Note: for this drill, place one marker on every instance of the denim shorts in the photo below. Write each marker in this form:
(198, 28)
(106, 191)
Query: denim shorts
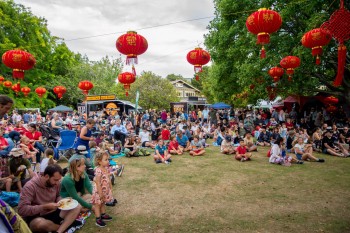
(299, 156)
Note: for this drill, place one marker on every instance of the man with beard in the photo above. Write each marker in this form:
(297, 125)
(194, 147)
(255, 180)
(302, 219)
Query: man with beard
(38, 203)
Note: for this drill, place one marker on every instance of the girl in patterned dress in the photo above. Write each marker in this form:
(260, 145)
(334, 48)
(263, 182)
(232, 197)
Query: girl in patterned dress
(102, 188)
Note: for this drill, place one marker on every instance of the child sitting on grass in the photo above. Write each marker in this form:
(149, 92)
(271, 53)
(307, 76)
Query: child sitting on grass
(241, 152)
(28, 148)
(161, 154)
(227, 147)
(48, 160)
(196, 147)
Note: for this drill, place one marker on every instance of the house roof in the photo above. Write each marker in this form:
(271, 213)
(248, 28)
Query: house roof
(179, 80)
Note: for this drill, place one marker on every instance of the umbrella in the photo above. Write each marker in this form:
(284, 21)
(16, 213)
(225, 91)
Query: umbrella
(220, 105)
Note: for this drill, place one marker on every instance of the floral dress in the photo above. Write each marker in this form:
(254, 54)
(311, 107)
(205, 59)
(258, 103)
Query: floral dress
(105, 187)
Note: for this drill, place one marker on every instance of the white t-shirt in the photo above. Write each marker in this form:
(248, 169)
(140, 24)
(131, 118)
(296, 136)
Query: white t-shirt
(144, 136)
(275, 153)
(44, 163)
(300, 147)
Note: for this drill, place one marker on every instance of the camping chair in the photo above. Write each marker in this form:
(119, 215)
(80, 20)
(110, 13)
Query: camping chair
(66, 143)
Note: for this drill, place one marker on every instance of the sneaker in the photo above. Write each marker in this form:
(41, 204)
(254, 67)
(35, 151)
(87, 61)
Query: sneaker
(242, 159)
(300, 162)
(321, 160)
(113, 179)
(115, 201)
(76, 225)
(158, 161)
(120, 170)
(167, 162)
(100, 223)
(106, 217)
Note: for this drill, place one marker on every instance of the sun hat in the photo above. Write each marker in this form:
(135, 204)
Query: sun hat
(16, 152)
(82, 150)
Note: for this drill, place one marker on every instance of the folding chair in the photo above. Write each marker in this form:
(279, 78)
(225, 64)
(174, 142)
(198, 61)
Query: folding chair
(66, 143)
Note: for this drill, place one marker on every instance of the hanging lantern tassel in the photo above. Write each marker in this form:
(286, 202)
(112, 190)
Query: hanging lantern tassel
(133, 70)
(263, 53)
(197, 77)
(341, 64)
(317, 51)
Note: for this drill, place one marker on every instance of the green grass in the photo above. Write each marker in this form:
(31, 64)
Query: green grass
(215, 193)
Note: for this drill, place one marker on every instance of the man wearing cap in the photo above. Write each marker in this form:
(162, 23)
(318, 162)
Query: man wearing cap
(19, 166)
(38, 203)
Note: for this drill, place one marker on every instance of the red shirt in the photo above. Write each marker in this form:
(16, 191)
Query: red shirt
(241, 150)
(21, 130)
(34, 136)
(165, 134)
(289, 125)
(173, 145)
(3, 142)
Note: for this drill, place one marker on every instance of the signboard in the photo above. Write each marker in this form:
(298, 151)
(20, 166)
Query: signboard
(81, 108)
(100, 97)
(178, 107)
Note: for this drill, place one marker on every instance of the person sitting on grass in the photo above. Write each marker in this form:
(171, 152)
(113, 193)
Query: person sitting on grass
(276, 152)
(38, 204)
(48, 160)
(241, 152)
(165, 134)
(197, 148)
(18, 167)
(249, 142)
(76, 184)
(28, 148)
(174, 147)
(304, 151)
(227, 147)
(161, 154)
(264, 137)
(183, 141)
(329, 146)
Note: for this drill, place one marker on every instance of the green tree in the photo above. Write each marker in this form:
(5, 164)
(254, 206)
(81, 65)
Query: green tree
(155, 92)
(173, 77)
(236, 62)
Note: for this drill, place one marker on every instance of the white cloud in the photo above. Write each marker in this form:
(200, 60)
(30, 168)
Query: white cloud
(168, 45)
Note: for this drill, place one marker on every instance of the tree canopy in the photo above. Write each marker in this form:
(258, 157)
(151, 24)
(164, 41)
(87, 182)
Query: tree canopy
(235, 55)
(55, 63)
(155, 91)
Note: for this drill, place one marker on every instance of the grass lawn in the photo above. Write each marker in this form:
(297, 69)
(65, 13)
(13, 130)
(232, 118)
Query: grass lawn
(215, 193)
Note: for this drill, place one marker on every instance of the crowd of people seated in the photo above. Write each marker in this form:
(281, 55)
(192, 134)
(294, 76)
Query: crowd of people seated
(29, 168)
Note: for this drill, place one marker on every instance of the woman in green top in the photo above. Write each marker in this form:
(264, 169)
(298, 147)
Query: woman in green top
(76, 184)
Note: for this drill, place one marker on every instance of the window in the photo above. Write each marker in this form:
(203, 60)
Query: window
(179, 85)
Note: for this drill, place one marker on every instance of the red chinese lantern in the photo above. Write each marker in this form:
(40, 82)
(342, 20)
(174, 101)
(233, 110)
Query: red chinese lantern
(16, 88)
(59, 91)
(262, 23)
(198, 57)
(7, 84)
(85, 86)
(331, 100)
(290, 63)
(131, 44)
(25, 90)
(315, 39)
(19, 61)
(126, 79)
(2, 79)
(276, 73)
(339, 26)
(40, 91)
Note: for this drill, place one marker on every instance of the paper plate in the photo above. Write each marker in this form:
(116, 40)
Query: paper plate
(67, 204)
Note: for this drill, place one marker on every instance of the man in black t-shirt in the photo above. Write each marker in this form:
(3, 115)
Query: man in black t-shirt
(330, 147)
